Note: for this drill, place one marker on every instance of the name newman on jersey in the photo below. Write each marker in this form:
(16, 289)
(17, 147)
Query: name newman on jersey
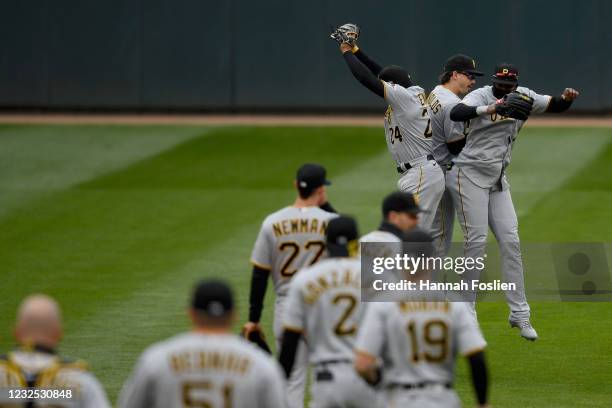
(299, 226)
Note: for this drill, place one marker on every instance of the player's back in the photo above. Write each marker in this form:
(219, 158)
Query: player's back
(330, 294)
(422, 340)
(407, 125)
(289, 240)
(204, 370)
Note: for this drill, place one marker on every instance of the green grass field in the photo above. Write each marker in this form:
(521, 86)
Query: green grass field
(117, 222)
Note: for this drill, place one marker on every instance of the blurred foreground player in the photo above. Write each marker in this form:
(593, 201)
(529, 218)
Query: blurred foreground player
(289, 240)
(417, 343)
(324, 306)
(36, 364)
(207, 367)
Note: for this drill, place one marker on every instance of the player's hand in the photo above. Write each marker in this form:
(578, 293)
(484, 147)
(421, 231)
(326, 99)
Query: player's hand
(344, 47)
(569, 94)
(250, 327)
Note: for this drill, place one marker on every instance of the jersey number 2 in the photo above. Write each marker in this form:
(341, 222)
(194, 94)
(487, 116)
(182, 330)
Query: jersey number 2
(341, 328)
(292, 246)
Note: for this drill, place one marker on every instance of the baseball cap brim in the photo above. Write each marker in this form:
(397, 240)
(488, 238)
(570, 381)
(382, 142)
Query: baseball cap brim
(474, 72)
(504, 81)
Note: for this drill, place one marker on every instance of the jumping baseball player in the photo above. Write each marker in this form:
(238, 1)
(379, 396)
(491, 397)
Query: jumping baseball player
(289, 240)
(494, 114)
(324, 306)
(36, 365)
(207, 367)
(407, 123)
(411, 347)
(448, 137)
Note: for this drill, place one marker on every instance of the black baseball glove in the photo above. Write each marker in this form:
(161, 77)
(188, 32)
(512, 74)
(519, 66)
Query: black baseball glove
(515, 105)
(346, 33)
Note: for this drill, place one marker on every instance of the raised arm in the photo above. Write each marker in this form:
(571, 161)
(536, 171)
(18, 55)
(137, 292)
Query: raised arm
(361, 72)
(562, 103)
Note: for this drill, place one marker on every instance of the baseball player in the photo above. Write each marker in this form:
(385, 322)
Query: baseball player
(411, 347)
(207, 367)
(448, 137)
(494, 114)
(324, 305)
(407, 123)
(290, 239)
(400, 215)
(35, 364)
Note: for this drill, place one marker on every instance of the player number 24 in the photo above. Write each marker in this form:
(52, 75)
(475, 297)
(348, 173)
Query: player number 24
(317, 246)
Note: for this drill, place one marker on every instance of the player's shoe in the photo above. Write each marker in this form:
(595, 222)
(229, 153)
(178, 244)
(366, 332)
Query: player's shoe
(527, 330)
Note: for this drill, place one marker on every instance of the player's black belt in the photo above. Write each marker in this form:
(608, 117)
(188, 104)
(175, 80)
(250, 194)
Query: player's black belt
(408, 166)
(338, 361)
(419, 385)
(323, 374)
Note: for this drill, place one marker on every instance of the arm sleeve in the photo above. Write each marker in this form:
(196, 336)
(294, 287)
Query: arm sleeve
(363, 74)
(259, 284)
(138, 390)
(94, 395)
(262, 251)
(373, 322)
(480, 378)
(462, 112)
(467, 332)
(558, 104)
(541, 103)
(368, 62)
(289, 346)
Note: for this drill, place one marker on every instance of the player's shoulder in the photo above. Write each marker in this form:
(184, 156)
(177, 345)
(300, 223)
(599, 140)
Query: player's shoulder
(526, 91)
(479, 96)
(444, 95)
(264, 363)
(276, 215)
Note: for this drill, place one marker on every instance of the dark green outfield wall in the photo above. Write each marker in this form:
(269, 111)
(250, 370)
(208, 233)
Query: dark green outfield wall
(245, 55)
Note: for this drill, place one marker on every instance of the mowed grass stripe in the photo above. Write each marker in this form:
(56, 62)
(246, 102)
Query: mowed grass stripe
(37, 160)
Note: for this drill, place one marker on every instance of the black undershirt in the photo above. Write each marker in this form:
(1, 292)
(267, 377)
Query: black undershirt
(479, 376)
(259, 284)
(363, 74)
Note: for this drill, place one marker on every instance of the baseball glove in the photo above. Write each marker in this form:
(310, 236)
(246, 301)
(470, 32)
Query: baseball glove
(256, 335)
(515, 105)
(346, 33)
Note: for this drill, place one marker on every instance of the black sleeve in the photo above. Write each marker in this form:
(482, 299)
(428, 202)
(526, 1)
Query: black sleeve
(259, 284)
(328, 207)
(557, 104)
(289, 346)
(479, 376)
(368, 62)
(363, 74)
(461, 112)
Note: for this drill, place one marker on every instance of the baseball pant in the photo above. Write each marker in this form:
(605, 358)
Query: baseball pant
(479, 208)
(296, 383)
(431, 397)
(343, 389)
(426, 181)
(442, 227)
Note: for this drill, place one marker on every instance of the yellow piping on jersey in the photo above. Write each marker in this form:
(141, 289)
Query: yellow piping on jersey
(462, 209)
(260, 266)
(416, 196)
(293, 329)
(470, 353)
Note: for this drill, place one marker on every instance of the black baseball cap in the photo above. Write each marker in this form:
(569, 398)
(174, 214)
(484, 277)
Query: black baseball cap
(311, 176)
(341, 234)
(213, 298)
(400, 201)
(396, 74)
(461, 63)
(506, 74)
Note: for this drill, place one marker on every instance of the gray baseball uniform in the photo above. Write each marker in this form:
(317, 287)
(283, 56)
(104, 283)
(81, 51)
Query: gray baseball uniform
(44, 370)
(290, 239)
(204, 370)
(418, 343)
(440, 103)
(324, 304)
(479, 186)
(408, 135)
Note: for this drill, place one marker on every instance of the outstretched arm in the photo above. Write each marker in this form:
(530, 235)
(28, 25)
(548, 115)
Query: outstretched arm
(361, 72)
(367, 61)
(562, 103)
